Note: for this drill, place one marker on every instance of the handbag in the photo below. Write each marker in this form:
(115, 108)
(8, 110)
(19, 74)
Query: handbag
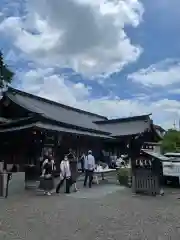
(46, 183)
(47, 176)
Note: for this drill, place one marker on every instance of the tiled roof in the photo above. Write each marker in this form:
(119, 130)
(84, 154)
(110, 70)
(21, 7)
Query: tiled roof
(159, 128)
(156, 155)
(126, 126)
(55, 111)
(77, 118)
(56, 128)
(125, 119)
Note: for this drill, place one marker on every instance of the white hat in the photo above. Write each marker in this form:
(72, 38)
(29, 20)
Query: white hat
(89, 151)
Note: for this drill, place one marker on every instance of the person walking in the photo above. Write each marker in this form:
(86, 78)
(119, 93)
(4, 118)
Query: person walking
(73, 168)
(89, 166)
(65, 175)
(47, 182)
(74, 172)
(82, 159)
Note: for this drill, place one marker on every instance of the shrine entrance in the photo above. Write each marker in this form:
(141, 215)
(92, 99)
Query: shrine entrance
(146, 168)
(146, 175)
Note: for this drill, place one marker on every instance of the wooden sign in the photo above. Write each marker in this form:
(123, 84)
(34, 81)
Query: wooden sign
(143, 162)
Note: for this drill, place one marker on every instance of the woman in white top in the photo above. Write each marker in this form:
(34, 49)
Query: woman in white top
(64, 175)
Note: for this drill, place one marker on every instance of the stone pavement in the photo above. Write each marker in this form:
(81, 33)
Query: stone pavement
(104, 212)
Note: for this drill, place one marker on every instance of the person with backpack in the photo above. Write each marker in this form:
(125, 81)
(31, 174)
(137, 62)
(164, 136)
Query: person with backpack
(89, 166)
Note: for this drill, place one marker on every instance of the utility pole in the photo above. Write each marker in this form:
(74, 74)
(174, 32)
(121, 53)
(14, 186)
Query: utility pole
(174, 125)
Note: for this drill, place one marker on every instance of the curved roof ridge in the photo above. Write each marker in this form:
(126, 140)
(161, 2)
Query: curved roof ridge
(14, 90)
(124, 119)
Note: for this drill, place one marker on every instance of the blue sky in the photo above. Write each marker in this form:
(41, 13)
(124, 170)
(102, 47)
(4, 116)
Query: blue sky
(116, 58)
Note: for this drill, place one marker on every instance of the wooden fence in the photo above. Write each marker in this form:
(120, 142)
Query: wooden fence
(144, 181)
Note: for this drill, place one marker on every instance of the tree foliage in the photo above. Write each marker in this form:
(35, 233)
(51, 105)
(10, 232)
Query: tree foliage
(6, 75)
(171, 141)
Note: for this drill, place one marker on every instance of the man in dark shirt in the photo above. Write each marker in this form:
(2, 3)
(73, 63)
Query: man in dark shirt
(73, 166)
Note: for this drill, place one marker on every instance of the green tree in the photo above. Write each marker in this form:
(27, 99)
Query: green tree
(171, 141)
(6, 75)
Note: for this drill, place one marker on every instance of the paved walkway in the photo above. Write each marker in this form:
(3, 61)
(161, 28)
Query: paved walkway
(103, 213)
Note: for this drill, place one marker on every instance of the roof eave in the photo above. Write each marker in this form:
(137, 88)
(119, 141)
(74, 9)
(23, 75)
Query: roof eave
(74, 126)
(41, 115)
(127, 119)
(13, 90)
(53, 128)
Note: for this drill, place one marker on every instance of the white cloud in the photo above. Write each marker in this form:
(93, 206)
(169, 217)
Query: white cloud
(45, 83)
(174, 91)
(161, 74)
(87, 36)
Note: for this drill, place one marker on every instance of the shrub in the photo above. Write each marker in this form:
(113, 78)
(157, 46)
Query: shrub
(123, 176)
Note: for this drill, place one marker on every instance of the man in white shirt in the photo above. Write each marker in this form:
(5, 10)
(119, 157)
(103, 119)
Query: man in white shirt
(89, 166)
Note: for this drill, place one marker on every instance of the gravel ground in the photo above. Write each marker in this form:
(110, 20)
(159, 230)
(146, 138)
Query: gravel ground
(115, 215)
